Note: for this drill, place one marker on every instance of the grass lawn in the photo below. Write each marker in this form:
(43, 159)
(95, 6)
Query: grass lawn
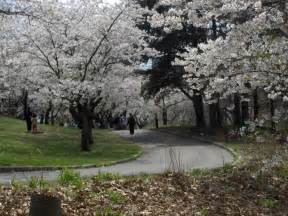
(59, 146)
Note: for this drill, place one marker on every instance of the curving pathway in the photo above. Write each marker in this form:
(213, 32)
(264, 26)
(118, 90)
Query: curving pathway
(158, 149)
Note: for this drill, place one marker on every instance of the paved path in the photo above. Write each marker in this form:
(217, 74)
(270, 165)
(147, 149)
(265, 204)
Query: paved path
(158, 148)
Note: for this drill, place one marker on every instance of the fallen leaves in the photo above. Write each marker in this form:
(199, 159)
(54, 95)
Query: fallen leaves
(176, 194)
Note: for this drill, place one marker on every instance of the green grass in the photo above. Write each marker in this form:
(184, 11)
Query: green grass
(116, 197)
(104, 176)
(70, 177)
(59, 146)
(268, 203)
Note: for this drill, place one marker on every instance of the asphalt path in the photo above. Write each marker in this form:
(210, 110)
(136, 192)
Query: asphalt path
(161, 152)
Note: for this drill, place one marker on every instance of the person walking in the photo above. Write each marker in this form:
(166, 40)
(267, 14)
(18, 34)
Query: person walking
(131, 124)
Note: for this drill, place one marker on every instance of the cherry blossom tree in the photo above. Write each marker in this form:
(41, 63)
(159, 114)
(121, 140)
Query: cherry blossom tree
(247, 57)
(247, 50)
(75, 54)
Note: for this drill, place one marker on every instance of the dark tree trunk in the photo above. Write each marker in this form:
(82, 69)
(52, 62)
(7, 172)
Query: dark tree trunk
(91, 126)
(237, 110)
(85, 122)
(199, 110)
(164, 112)
(75, 116)
(214, 28)
(42, 118)
(219, 116)
(156, 121)
(245, 112)
(27, 112)
(198, 106)
(86, 131)
(215, 115)
(164, 116)
(47, 113)
(256, 105)
(272, 112)
(83, 115)
(110, 120)
(52, 118)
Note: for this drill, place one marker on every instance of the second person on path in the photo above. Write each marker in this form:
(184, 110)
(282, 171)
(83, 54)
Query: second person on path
(131, 124)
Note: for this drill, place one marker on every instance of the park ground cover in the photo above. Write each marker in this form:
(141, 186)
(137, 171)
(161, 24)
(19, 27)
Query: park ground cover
(58, 146)
(257, 185)
(226, 191)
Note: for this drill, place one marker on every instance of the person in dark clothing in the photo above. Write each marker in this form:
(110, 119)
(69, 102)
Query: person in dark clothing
(131, 124)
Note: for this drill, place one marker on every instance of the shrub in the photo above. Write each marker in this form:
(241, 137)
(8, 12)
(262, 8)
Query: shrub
(116, 197)
(108, 211)
(16, 184)
(34, 182)
(199, 172)
(268, 203)
(70, 177)
(103, 176)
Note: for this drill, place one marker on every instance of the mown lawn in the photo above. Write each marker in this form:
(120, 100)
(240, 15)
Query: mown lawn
(58, 146)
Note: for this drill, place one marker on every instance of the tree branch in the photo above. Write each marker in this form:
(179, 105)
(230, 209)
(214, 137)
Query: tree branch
(99, 46)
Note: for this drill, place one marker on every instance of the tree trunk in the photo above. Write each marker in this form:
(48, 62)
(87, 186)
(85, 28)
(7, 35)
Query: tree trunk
(42, 117)
(245, 112)
(198, 106)
(156, 121)
(164, 116)
(272, 112)
(83, 114)
(52, 118)
(215, 115)
(47, 113)
(86, 132)
(199, 110)
(27, 112)
(164, 112)
(237, 111)
(219, 116)
(75, 116)
(256, 105)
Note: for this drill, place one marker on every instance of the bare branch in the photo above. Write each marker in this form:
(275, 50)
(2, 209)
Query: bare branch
(99, 46)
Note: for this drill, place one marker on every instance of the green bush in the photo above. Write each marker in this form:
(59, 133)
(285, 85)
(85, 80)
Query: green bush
(199, 172)
(69, 177)
(227, 168)
(102, 176)
(116, 197)
(17, 185)
(108, 211)
(268, 203)
(281, 171)
(35, 182)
